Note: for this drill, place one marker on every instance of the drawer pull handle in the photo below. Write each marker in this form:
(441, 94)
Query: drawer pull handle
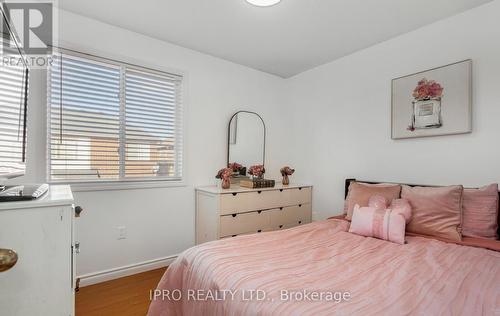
(300, 222)
(234, 194)
(281, 208)
(300, 189)
(234, 215)
(281, 190)
(234, 235)
(259, 192)
(281, 226)
(258, 212)
(259, 231)
(300, 205)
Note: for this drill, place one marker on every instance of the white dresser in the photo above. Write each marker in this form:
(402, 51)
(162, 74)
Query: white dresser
(237, 211)
(42, 282)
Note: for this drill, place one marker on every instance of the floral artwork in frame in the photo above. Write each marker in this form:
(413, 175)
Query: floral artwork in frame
(433, 102)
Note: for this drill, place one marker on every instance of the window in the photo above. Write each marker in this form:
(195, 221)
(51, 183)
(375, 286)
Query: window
(13, 92)
(110, 121)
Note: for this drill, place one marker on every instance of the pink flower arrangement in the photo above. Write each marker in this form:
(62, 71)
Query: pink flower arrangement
(257, 170)
(287, 171)
(427, 89)
(224, 174)
(236, 167)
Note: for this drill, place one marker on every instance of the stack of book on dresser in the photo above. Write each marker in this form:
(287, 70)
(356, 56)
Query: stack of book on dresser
(257, 183)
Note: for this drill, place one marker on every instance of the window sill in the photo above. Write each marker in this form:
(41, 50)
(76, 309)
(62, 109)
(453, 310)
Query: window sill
(123, 185)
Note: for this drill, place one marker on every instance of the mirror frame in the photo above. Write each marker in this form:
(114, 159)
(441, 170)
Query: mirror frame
(229, 136)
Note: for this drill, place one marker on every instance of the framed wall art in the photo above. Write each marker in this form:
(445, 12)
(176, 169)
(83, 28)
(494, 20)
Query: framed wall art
(433, 102)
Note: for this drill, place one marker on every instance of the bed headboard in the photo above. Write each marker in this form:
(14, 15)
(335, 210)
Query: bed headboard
(348, 183)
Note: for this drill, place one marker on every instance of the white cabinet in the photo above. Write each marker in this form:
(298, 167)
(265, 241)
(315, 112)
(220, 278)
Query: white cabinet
(42, 282)
(238, 211)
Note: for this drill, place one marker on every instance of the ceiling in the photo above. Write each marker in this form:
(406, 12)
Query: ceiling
(284, 39)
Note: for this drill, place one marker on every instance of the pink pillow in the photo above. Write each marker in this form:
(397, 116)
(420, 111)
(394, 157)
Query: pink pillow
(378, 202)
(399, 206)
(436, 211)
(360, 193)
(403, 207)
(379, 223)
(480, 212)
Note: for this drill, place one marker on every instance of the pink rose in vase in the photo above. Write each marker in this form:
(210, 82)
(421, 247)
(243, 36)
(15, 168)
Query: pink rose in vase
(225, 175)
(256, 171)
(236, 167)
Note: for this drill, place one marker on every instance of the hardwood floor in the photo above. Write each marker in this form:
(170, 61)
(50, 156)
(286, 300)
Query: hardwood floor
(128, 296)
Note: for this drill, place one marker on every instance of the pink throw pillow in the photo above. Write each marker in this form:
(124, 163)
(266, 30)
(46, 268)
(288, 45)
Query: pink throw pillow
(403, 207)
(360, 193)
(436, 211)
(378, 202)
(379, 223)
(399, 206)
(480, 212)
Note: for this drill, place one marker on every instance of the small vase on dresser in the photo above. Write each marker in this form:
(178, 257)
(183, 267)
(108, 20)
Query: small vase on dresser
(240, 211)
(226, 183)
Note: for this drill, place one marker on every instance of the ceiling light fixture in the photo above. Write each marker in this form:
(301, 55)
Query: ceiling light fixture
(263, 3)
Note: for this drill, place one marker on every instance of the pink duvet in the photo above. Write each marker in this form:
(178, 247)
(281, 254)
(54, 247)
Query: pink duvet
(321, 269)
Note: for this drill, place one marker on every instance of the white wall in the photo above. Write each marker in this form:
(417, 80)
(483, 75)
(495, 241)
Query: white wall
(346, 106)
(160, 221)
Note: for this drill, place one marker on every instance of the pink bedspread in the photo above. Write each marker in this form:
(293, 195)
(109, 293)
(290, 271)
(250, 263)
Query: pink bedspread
(422, 277)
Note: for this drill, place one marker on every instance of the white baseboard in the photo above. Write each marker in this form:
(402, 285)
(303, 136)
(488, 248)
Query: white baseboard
(115, 273)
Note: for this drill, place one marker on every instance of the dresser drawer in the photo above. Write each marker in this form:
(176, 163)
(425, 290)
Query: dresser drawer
(252, 201)
(262, 200)
(301, 214)
(297, 196)
(235, 235)
(234, 203)
(281, 216)
(249, 201)
(284, 197)
(238, 224)
(286, 226)
(268, 229)
(290, 216)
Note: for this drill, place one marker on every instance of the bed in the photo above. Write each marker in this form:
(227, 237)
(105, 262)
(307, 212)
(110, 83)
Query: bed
(322, 269)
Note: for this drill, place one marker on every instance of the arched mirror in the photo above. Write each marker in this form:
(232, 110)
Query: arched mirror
(246, 139)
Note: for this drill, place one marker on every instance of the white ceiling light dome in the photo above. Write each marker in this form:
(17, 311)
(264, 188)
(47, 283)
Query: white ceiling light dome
(263, 3)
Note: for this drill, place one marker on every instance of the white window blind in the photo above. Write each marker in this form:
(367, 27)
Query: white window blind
(152, 122)
(12, 110)
(111, 121)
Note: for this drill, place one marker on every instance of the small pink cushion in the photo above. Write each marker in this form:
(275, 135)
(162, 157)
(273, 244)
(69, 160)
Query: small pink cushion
(379, 223)
(399, 206)
(403, 207)
(436, 211)
(360, 193)
(480, 212)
